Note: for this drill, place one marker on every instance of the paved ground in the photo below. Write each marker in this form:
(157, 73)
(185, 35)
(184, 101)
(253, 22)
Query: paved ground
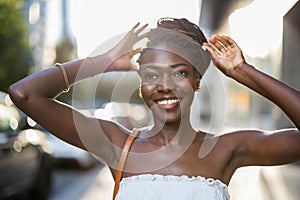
(266, 183)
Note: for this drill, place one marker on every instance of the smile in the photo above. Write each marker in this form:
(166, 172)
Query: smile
(167, 102)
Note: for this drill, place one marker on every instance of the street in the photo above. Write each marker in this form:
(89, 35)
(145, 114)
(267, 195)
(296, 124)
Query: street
(259, 183)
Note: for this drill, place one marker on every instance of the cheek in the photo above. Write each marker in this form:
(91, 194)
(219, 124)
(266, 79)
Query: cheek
(186, 85)
(146, 89)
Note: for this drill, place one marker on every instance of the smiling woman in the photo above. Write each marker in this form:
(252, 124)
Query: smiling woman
(163, 161)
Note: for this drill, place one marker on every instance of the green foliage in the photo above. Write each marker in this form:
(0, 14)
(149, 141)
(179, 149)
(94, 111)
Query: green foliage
(15, 56)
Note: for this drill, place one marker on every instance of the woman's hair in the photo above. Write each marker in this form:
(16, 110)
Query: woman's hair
(181, 37)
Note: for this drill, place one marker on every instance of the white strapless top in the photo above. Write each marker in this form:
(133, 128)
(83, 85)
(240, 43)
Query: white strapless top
(159, 187)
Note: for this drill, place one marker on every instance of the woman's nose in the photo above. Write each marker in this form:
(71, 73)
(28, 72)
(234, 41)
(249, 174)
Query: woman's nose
(166, 84)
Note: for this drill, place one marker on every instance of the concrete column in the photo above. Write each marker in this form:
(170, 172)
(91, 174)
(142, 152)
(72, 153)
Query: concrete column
(290, 68)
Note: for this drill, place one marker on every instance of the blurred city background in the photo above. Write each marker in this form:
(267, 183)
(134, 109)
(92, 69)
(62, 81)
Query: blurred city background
(35, 34)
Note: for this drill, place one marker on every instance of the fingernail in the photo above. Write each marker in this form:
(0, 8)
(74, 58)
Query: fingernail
(137, 24)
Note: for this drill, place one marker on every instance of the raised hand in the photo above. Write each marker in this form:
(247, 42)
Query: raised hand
(121, 55)
(225, 53)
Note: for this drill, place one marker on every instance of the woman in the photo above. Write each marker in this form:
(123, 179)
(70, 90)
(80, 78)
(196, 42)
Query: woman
(164, 161)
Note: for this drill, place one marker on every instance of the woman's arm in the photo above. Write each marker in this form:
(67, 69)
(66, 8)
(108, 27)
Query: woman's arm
(35, 94)
(232, 63)
(259, 147)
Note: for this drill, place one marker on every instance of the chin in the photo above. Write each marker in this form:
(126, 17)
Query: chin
(167, 117)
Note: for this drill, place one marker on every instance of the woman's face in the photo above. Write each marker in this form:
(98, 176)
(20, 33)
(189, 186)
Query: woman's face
(168, 83)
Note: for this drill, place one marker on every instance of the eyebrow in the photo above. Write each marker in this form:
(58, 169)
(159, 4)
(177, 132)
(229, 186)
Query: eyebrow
(155, 66)
(178, 65)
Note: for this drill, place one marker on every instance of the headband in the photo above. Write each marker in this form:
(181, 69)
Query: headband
(180, 44)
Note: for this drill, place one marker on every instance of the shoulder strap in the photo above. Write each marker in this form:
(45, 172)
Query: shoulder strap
(122, 160)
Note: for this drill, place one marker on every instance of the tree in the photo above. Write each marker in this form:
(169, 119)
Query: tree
(15, 56)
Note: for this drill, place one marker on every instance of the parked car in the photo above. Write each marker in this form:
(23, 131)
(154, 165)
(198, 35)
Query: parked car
(69, 156)
(25, 156)
(66, 155)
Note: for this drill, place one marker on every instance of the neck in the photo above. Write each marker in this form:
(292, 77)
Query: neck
(166, 132)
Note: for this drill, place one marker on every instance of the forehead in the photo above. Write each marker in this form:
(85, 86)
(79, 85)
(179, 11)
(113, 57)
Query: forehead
(160, 57)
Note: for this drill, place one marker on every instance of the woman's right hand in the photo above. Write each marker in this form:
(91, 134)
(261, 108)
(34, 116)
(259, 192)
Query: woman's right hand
(120, 56)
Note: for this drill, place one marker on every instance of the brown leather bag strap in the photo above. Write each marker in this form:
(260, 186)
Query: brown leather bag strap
(122, 160)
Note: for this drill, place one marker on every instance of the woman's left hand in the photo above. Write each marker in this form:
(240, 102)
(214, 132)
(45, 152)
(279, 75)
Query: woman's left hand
(225, 53)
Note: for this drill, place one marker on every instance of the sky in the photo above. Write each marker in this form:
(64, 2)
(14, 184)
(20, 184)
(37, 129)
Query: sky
(93, 21)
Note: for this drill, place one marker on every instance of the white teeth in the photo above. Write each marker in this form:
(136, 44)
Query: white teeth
(167, 102)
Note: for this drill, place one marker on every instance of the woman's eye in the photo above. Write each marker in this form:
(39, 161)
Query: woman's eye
(180, 74)
(151, 76)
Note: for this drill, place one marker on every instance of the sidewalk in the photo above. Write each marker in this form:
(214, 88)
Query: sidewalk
(266, 183)
(102, 187)
(283, 182)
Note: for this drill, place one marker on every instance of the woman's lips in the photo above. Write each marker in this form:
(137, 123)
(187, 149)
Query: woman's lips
(168, 104)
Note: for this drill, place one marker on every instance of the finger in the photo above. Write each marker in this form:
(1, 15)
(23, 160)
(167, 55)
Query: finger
(219, 46)
(135, 51)
(141, 29)
(230, 41)
(225, 42)
(221, 43)
(135, 26)
(129, 33)
(142, 36)
(212, 51)
(215, 38)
